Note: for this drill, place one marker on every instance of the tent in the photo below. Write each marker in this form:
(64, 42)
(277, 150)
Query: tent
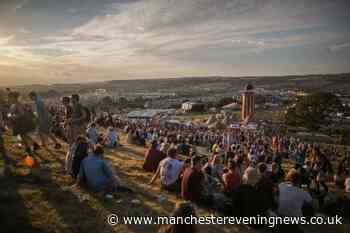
(232, 106)
(149, 113)
(235, 126)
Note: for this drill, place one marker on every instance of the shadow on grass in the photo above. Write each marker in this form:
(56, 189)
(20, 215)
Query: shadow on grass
(13, 211)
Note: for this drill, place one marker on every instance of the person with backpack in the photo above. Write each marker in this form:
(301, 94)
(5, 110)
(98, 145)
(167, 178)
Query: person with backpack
(79, 118)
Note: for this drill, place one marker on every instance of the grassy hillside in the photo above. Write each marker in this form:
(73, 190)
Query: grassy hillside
(43, 199)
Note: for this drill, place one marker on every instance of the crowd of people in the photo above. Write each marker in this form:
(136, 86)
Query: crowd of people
(243, 173)
(71, 124)
(252, 160)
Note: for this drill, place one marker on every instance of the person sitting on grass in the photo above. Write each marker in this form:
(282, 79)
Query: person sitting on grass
(111, 139)
(231, 178)
(152, 158)
(192, 185)
(250, 176)
(277, 173)
(214, 168)
(292, 200)
(182, 210)
(96, 175)
(265, 186)
(169, 170)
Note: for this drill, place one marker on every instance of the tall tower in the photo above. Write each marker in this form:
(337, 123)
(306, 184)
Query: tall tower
(248, 103)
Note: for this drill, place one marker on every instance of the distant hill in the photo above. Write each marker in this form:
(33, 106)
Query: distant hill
(198, 85)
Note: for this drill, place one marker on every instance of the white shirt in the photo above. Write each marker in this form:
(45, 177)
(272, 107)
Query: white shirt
(291, 200)
(170, 170)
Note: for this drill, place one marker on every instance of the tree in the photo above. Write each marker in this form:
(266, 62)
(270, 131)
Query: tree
(224, 101)
(313, 111)
(107, 100)
(3, 97)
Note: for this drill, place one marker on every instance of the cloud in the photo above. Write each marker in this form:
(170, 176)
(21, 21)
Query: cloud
(339, 47)
(72, 10)
(162, 28)
(24, 31)
(20, 5)
(6, 40)
(181, 37)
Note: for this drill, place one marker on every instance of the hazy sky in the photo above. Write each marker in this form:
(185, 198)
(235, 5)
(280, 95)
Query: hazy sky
(52, 41)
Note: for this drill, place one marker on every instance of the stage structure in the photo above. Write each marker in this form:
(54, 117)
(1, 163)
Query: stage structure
(248, 103)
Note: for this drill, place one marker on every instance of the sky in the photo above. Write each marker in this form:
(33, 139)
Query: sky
(50, 41)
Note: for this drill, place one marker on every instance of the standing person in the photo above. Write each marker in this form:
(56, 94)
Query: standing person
(22, 120)
(182, 210)
(43, 120)
(80, 153)
(79, 117)
(2, 129)
(67, 119)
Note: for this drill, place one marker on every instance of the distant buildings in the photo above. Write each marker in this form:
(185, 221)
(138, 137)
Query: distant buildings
(100, 92)
(192, 107)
